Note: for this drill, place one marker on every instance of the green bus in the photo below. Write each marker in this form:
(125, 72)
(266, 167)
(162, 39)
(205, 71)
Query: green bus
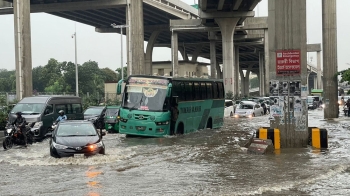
(148, 105)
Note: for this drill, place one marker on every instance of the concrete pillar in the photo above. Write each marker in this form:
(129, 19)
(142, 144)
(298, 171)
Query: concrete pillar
(261, 74)
(308, 82)
(266, 63)
(183, 53)
(319, 70)
(315, 82)
(128, 40)
(241, 74)
(246, 82)
(196, 52)
(287, 31)
(218, 71)
(330, 83)
(174, 54)
(23, 53)
(149, 52)
(227, 26)
(212, 59)
(137, 37)
(236, 74)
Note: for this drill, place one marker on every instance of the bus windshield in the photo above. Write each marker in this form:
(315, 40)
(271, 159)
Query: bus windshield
(145, 94)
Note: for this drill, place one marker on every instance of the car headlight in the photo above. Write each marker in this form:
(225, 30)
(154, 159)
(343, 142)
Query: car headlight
(38, 124)
(59, 146)
(93, 147)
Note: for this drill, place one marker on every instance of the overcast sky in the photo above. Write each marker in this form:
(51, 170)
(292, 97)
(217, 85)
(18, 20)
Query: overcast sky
(51, 38)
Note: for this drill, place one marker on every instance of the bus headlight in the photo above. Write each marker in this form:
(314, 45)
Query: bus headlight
(162, 123)
(123, 120)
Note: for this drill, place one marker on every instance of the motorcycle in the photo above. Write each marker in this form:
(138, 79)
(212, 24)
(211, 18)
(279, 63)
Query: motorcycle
(14, 136)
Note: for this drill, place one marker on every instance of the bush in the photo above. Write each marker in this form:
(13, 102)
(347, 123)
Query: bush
(3, 120)
(229, 95)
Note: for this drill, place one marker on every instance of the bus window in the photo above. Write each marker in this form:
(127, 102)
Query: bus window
(203, 91)
(221, 90)
(215, 90)
(182, 91)
(176, 89)
(209, 91)
(197, 91)
(189, 91)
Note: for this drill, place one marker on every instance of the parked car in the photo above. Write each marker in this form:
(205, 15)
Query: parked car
(248, 109)
(96, 115)
(311, 103)
(75, 138)
(112, 119)
(229, 108)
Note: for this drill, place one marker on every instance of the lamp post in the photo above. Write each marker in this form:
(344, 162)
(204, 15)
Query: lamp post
(76, 64)
(121, 45)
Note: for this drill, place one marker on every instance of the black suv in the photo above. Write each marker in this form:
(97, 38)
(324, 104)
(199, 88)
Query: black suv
(96, 115)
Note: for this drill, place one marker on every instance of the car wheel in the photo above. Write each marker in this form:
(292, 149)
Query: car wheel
(53, 154)
(102, 151)
(262, 113)
(253, 115)
(231, 114)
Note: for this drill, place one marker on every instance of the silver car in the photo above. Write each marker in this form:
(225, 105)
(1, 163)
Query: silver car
(248, 109)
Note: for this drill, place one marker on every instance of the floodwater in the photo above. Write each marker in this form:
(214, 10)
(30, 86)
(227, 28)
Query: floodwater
(208, 162)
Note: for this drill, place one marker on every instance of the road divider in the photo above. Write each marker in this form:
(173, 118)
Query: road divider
(318, 138)
(272, 134)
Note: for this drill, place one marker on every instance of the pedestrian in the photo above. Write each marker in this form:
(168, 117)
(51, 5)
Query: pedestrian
(348, 106)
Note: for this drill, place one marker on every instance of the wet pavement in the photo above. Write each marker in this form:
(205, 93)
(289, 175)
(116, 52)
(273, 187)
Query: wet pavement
(207, 162)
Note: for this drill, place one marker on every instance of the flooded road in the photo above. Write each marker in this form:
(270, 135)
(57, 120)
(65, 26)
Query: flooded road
(208, 162)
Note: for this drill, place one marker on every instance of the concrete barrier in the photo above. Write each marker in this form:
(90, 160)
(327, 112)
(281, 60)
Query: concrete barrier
(272, 134)
(318, 138)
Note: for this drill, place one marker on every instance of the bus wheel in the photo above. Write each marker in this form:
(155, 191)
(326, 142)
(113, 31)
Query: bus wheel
(180, 129)
(209, 124)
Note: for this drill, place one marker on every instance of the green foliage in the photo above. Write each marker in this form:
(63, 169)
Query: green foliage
(254, 82)
(7, 80)
(119, 74)
(229, 95)
(345, 75)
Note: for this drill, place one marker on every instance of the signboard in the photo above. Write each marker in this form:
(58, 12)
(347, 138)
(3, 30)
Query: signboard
(288, 62)
(148, 82)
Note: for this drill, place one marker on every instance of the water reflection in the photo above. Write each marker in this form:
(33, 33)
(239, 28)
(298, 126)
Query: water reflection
(92, 174)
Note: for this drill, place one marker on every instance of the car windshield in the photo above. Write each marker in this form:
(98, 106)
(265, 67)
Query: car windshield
(245, 106)
(28, 108)
(75, 129)
(93, 111)
(112, 112)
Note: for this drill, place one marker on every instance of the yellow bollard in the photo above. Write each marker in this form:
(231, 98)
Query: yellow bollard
(272, 134)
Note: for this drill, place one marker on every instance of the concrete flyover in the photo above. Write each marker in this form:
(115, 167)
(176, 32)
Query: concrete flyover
(156, 17)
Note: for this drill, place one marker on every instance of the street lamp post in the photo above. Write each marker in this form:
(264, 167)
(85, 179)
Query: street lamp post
(76, 64)
(121, 45)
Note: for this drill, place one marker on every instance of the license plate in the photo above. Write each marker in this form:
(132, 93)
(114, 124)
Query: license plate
(79, 155)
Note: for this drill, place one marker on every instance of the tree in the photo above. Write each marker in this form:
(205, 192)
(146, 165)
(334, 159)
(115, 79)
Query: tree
(254, 82)
(119, 74)
(7, 80)
(109, 75)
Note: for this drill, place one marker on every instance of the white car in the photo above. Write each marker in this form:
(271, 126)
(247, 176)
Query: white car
(249, 109)
(229, 108)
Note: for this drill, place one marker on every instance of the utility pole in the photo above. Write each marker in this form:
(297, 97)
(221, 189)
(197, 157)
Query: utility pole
(121, 45)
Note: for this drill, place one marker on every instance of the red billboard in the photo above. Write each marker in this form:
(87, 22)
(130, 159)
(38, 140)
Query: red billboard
(288, 62)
